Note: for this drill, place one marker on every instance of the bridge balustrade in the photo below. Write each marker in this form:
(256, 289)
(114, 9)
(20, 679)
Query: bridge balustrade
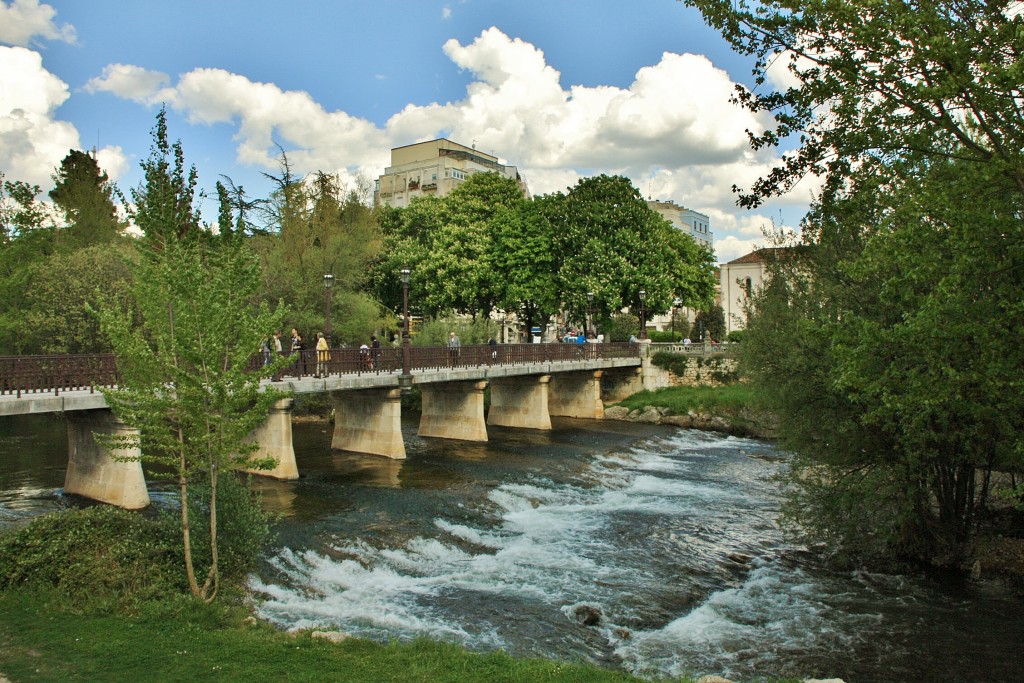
(53, 374)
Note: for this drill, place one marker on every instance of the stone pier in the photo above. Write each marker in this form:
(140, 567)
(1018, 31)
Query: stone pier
(454, 410)
(576, 394)
(111, 476)
(520, 402)
(369, 421)
(275, 439)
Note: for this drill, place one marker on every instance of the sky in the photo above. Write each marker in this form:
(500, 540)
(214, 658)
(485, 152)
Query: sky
(561, 89)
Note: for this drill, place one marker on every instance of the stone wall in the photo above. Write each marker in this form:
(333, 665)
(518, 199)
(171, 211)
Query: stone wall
(672, 370)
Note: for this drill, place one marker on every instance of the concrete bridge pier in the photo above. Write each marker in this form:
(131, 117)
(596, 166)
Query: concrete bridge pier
(520, 402)
(454, 410)
(369, 421)
(576, 394)
(275, 439)
(98, 473)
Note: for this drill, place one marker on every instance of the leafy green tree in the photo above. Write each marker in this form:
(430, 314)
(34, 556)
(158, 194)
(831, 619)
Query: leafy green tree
(614, 245)
(84, 194)
(321, 229)
(890, 344)
(65, 290)
(27, 240)
(708, 324)
(165, 200)
(187, 385)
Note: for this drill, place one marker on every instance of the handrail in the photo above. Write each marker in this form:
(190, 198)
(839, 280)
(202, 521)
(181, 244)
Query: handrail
(20, 375)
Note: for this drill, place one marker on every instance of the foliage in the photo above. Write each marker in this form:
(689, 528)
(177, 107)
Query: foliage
(102, 556)
(736, 336)
(83, 192)
(878, 82)
(621, 327)
(911, 115)
(684, 399)
(475, 331)
(708, 324)
(186, 382)
(319, 229)
(484, 247)
(667, 336)
(66, 288)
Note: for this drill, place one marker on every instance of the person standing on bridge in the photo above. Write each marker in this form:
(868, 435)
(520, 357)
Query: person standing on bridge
(297, 346)
(323, 355)
(493, 343)
(453, 348)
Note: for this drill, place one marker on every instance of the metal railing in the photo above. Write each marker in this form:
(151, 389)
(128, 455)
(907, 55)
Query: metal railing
(21, 375)
(53, 374)
(694, 349)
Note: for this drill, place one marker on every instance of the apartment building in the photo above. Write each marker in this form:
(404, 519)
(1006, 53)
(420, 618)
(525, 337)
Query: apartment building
(435, 168)
(694, 223)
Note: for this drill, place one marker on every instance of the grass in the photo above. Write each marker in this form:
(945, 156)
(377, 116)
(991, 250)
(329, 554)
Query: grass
(183, 640)
(729, 398)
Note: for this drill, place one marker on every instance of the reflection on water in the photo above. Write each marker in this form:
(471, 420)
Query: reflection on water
(668, 534)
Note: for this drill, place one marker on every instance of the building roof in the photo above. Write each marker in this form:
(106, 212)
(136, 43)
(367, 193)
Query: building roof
(763, 254)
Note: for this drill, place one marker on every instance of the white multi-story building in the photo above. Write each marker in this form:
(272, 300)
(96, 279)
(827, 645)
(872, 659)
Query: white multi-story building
(435, 168)
(694, 223)
(742, 277)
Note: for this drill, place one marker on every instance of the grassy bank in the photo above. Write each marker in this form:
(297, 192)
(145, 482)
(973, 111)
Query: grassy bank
(183, 640)
(728, 398)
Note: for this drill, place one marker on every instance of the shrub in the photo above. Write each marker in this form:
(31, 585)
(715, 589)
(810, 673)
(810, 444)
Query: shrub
(97, 555)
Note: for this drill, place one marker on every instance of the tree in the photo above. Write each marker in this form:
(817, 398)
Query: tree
(164, 202)
(321, 229)
(83, 193)
(880, 81)
(708, 324)
(186, 383)
(911, 114)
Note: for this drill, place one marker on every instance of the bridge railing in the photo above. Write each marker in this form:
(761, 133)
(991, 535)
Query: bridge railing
(388, 359)
(53, 374)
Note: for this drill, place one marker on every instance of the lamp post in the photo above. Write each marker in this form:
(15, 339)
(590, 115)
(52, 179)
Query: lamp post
(643, 327)
(675, 311)
(405, 379)
(590, 314)
(328, 287)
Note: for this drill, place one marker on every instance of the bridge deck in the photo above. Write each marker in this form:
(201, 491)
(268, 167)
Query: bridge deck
(44, 384)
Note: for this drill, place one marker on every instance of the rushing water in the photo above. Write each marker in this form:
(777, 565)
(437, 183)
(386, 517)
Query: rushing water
(667, 536)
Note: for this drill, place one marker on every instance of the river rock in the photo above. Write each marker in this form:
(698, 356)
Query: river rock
(588, 615)
(824, 680)
(713, 679)
(333, 636)
(616, 413)
(677, 420)
(650, 415)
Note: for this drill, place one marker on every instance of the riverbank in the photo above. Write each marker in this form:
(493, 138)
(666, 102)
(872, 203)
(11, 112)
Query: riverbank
(729, 409)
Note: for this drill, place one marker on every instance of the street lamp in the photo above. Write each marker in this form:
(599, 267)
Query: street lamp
(405, 379)
(328, 287)
(675, 311)
(643, 327)
(590, 314)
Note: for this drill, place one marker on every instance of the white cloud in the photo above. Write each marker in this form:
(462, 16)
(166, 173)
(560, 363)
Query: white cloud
(673, 129)
(131, 83)
(32, 141)
(446, 12)
(22, 21)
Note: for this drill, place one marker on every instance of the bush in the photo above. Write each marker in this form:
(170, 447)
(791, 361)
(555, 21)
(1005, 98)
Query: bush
(470, 331)
(736, 336)
(99, 555)
(622, 326)
(667, 336)
(243, 527)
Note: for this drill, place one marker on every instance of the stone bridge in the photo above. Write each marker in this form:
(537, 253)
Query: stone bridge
(528, 384)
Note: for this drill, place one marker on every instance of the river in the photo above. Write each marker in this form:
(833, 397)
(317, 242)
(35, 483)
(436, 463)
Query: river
(666, 537)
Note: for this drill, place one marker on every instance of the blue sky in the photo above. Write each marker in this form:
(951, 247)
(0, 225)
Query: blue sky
(560, 88)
